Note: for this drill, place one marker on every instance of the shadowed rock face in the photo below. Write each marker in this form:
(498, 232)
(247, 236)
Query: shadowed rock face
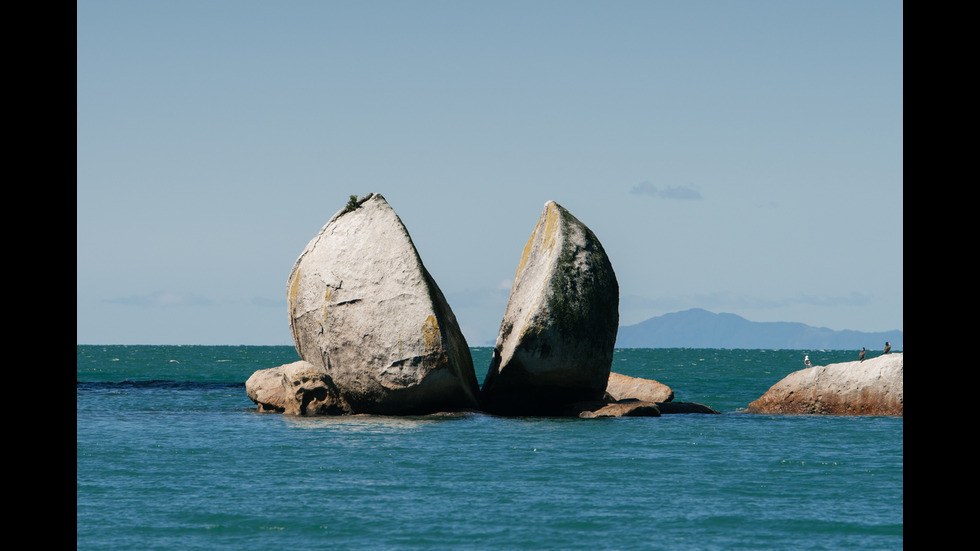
(365, 313)
(871, 387)
(556, 339)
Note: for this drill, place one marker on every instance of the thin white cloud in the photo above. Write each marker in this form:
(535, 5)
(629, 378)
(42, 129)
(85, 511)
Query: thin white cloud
(669, 192)
(161, 298)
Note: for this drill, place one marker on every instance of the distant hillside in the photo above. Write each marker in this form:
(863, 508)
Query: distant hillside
(697, 328)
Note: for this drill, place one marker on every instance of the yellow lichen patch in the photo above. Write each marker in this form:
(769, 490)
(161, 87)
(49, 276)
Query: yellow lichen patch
(293, 289)
(550, 225)
(430, 332)
(526, 253)
(326, 301)
(546, 229)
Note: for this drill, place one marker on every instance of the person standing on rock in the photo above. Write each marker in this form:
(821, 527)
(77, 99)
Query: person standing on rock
(888, 347)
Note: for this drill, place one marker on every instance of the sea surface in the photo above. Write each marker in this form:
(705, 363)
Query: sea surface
(171, 454)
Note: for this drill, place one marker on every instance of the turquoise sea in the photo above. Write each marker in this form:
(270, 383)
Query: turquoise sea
(171, 454)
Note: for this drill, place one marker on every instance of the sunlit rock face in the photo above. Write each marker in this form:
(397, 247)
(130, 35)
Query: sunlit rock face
(623, 387)
(365, 313)
(297, 388)
(556, 339)
(869, 387)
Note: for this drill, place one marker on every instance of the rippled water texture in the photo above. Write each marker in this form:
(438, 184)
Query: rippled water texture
(171, 454)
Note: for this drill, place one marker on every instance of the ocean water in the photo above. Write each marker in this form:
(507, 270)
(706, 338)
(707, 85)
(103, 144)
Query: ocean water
(171, 454)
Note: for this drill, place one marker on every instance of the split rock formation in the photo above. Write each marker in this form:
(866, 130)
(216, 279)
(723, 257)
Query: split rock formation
(375, 334)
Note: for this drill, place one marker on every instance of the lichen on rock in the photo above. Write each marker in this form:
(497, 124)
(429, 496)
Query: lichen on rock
(557, 335)
(365, 313)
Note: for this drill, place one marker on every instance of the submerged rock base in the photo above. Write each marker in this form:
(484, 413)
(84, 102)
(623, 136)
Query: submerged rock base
(300, 388)
(375, 335)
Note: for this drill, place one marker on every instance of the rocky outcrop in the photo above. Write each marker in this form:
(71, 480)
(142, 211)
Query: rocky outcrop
(670, 408)
(371, 321)
(871, 387)
(298, 388)
(556, 339)
(623, 408)
(376, 336)
(622, 387)
(631, 407)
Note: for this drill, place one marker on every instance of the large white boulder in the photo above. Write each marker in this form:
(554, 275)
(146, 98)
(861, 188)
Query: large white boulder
(556, 339)
(364, 311)
(869, 387)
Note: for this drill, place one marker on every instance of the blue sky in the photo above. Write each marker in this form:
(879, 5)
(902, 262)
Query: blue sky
(737, 156)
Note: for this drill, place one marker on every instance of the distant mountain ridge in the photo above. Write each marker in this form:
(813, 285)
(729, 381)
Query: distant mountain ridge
(699, 328)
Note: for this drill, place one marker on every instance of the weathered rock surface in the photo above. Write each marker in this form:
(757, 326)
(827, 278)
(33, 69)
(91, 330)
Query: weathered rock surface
(871, 387)
(625, 389)
(298, 388)
(367, 315)
(622, 387)
(623, 408)
(556, 339)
